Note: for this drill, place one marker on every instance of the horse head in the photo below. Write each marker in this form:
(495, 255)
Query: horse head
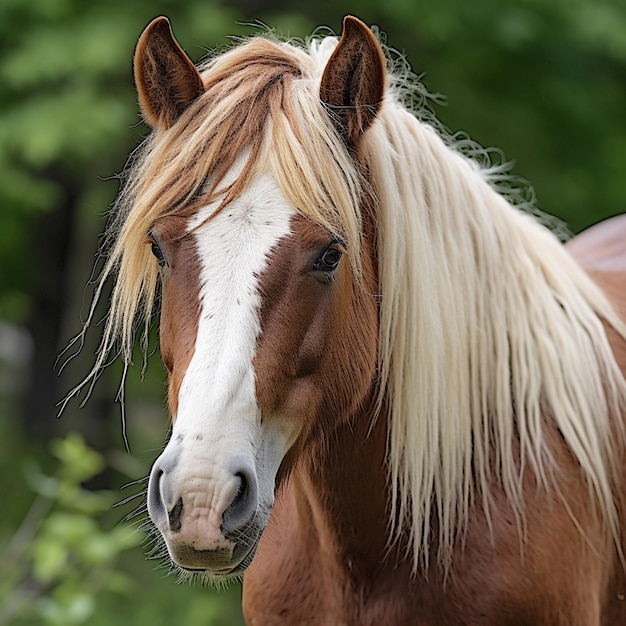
(268, 325)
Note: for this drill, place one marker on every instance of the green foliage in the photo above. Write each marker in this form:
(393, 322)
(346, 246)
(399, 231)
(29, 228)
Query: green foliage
(62, 556)
(67, 565)
(542, 80)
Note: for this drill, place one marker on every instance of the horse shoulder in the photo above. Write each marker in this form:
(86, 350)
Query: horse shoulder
(299, 576)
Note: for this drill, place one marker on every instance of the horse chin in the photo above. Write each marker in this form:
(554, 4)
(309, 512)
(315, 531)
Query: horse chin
(214, 567)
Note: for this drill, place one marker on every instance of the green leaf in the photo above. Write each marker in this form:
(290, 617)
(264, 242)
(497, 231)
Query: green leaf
(79, 462)
(80, 609)
(49, 560)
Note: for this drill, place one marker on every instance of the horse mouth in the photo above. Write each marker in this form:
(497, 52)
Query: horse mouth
(228, 571)
(220, 562)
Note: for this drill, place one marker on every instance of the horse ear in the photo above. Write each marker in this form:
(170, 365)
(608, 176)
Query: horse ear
(353, 82)
(165, 77)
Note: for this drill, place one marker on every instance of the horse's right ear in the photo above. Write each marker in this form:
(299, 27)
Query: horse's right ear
(165, 77)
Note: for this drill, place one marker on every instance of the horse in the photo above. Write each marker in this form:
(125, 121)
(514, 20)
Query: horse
(396, 396)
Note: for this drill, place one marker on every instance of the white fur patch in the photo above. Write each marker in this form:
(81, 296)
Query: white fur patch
(218, 419)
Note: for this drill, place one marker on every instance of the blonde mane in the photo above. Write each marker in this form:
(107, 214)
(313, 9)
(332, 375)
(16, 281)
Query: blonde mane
(487, 327)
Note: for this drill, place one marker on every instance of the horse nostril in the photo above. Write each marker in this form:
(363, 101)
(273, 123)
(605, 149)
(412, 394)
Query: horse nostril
(174, 516)
(160, 497)
(156, 507)
(243, 505)
(241, 490)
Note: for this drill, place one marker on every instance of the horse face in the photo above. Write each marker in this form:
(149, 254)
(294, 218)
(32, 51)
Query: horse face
(257, 309)
(269, 340)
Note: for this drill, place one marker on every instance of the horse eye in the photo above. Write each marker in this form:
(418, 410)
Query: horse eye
(157, 251)
(329, 259)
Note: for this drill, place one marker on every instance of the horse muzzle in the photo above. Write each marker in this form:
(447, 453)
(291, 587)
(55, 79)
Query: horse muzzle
(207, 511)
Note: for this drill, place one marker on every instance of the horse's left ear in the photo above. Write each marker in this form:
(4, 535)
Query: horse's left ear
(353, 82)
(165, 77)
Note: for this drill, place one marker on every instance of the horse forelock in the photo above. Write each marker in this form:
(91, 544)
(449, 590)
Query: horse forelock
(261, 97)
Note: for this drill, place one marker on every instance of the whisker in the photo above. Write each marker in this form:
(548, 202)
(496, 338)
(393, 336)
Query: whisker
(130, 498)
(140, 481)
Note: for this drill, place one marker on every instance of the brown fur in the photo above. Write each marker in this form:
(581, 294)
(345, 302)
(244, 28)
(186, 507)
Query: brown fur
(180, 309)
(317, 328)
(326, 543)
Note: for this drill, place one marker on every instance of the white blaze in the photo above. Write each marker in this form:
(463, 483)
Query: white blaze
(218, 417)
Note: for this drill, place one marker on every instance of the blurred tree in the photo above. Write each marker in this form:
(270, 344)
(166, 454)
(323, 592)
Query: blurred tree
(68, 562)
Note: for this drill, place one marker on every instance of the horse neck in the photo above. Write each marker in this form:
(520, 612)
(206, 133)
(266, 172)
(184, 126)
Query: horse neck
(341, 494)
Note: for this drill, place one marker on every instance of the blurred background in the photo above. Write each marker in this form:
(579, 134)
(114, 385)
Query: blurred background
(544, 80)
